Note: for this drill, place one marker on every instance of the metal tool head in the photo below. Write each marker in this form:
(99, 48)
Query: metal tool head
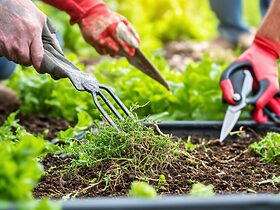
(141, 62)
(87, 82)
(234, 111)
(58, 66)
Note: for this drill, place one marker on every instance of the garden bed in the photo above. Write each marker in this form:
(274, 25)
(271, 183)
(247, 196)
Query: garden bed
(229, 167)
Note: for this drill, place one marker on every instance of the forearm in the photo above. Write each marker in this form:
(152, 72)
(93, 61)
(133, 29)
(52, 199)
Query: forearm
(75, 8)
(270, 27)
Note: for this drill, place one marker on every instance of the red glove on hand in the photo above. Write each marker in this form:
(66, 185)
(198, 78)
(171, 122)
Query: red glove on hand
(107, 31)
(262, 55)
(21, 25)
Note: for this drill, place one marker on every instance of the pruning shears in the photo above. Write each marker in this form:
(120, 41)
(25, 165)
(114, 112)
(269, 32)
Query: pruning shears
(58, 66)
(241, 76)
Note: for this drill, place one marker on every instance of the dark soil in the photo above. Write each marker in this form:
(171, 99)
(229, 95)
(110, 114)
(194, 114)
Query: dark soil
(34, 124)
(5, 110)
(40, 123)
(229, 167)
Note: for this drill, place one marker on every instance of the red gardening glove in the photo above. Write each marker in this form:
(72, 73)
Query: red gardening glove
(21, 25)
(107, 31)
(262, 55)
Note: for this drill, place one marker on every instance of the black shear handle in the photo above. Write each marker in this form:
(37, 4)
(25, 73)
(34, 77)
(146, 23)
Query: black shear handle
(235, 74)
(58, 66)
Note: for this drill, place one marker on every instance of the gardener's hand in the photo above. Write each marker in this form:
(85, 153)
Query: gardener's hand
(109, 32)
(21, 25)
(262, 55)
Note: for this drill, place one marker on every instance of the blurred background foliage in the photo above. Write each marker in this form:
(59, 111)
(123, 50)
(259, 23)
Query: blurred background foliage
(195, 92)
(157, 22)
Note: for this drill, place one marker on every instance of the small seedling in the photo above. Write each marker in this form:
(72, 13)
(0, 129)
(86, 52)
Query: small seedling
(161, 182)
(142, 190)
(268, 148)
(201, 190)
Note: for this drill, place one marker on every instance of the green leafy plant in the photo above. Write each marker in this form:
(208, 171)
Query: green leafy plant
(161, 182)
(142, 190)
(20, 171)
(195, 94)
(84, 122)
(167, 19)
(129, 144)
(201, 190)
(20, 168)
(43, 204)
(9, 128)
(189, 145)
(268, 148)
(40, 94)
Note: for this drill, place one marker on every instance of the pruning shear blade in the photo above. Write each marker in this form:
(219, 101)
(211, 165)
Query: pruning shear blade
(234, 111)
(141, 62)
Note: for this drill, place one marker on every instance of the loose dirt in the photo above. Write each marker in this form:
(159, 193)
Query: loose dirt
(229, 167)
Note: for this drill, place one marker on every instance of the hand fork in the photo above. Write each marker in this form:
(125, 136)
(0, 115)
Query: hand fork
(58, 66)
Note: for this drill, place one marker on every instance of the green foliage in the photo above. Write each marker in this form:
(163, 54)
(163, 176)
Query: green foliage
(20, 171)
(189, 146)
(9, 128)
(130, 145)
(201, 190)
(195, 94)
(40, 94)
(43, 204)
(268, 148)
(251, 11)
(12, 132)
(84, 122)
(167, 19)
(20, 168)
(161, 182)
(142, 190)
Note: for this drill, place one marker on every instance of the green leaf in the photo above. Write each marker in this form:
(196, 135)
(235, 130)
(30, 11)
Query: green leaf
(268, 148)
(84, 122)
(201, 190)
(142, 190)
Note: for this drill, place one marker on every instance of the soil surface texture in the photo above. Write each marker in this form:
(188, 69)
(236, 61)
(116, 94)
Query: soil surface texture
(38, 124)
(229, 167)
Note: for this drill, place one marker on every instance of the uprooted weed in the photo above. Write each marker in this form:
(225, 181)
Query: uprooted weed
(135, 151)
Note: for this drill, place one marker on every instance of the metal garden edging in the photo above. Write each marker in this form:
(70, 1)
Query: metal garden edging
(219, 202)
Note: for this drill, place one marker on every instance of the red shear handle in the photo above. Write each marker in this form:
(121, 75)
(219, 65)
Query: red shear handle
(232, 79)
(260, 58)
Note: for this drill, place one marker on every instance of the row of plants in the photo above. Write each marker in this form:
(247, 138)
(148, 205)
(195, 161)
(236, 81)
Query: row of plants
(136, 146)
(194, 95)
(130, 149)
(186, 100)
(169, 20)
(21, 154)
